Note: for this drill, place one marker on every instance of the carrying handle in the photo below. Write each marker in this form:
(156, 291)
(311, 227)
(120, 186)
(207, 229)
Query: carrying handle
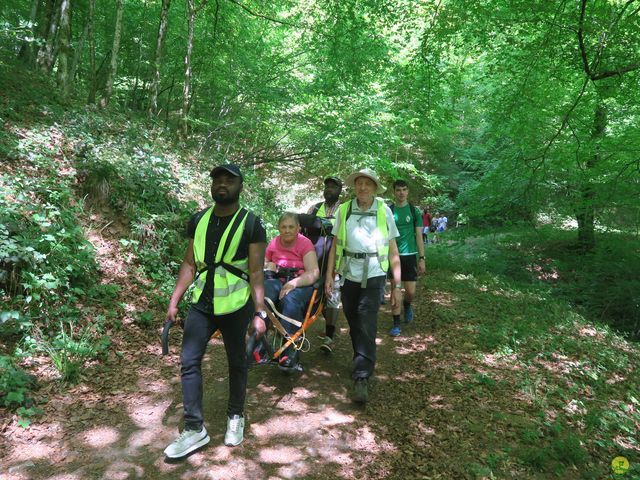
(165, 337)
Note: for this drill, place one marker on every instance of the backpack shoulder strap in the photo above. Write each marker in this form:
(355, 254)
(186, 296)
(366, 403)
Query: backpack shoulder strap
(413, 213)
(348, 211)
(250, 226)
(316, 208)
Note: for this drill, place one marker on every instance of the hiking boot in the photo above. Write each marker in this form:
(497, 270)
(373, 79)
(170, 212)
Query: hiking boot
(361, 390)
(408, 315)
(187, 442)
(327, 345)
(235, 431)
(395, 331)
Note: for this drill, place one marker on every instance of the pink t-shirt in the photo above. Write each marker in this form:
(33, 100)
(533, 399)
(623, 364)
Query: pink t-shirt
(288, 257)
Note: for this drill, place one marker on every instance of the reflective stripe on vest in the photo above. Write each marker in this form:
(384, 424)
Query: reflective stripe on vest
(381, 224)
(230, 292)
(322, 212)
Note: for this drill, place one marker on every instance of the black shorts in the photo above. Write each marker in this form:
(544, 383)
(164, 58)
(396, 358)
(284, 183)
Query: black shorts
(408, 268)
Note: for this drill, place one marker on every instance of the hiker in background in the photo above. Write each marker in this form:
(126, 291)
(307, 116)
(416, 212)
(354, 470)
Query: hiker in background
(442, 224)
(411, 249)
(426, 223)
(364, 250)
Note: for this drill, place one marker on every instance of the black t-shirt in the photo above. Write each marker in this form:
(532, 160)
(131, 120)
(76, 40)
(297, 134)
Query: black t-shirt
(254, 232)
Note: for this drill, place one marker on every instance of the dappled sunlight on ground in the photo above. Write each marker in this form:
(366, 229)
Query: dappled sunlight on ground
(36, 451)
(283, 454)
(444, 299)
(100, 437)
(309, 424)
(414, 344)
(494, 360)
(410, 377)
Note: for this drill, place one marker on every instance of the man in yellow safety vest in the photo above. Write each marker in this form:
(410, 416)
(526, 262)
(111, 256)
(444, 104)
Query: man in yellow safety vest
(226, 256)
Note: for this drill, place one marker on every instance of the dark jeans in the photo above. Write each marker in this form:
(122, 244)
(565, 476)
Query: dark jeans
(293, 305)
(198, 328)
(360, 306)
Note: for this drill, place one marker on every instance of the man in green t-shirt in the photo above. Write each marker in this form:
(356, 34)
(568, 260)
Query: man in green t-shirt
(409, 222)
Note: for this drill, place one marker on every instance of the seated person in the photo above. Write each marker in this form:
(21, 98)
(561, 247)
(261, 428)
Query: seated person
(291, 269)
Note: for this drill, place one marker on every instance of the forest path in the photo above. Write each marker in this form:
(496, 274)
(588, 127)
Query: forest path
(420, 421)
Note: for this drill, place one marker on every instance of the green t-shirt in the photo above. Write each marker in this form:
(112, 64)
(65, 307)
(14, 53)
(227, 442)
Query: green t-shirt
(407, 228)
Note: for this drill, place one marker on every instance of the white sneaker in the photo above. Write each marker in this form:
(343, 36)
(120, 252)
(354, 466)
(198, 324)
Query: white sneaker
(187, 442)
(235, 431)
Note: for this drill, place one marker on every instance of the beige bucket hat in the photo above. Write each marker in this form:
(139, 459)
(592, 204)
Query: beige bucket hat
(365, 172)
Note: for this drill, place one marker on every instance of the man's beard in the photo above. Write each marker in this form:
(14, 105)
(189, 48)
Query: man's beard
(331, 199)
(229, 199)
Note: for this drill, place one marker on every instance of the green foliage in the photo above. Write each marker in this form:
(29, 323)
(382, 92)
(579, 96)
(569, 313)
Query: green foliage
(131, 182)
(604, 284)
(14, 384)
(43, 251)
(71, 347)
(15, 388)
(576, 376)
(145, 320)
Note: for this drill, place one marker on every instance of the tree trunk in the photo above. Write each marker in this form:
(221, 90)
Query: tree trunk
(92, 53)
(586, 209)
(113, 65)
(191, 16)
(26, 49)
(133, 103)
(168, 103)
(77, 54)
(46, 53)
(64, 82)
(155, 82)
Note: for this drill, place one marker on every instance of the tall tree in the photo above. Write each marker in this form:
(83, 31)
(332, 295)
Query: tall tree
(91, 99)
(186, 89)
(113, 64)
(155, 81)
(26, 49)
(47, 51)
(78, 51)
(597, 70)
(64, 80)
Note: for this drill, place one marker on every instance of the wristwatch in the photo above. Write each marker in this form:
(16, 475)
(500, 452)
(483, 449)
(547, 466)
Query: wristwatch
(261, 313)
(397, 285)
(421, 257)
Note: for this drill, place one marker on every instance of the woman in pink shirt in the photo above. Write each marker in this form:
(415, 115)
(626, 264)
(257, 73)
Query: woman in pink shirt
(291, 269)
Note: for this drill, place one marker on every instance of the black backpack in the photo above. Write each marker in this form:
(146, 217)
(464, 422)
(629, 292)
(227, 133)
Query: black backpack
(413, 211)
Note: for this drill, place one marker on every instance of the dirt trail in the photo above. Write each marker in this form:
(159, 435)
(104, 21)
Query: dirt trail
(117, 421)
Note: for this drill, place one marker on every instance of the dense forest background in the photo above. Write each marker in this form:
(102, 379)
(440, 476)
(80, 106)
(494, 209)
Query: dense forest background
(518, 120)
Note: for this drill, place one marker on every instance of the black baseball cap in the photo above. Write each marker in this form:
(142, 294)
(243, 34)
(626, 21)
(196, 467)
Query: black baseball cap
(335, 180)
(230, 168)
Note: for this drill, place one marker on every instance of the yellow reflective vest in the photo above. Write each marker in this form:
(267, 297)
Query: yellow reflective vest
(383, 243)
(231, 288)
(322, 212)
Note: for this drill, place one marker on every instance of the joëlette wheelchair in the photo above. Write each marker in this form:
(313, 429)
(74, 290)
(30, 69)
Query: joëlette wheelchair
(269, 348)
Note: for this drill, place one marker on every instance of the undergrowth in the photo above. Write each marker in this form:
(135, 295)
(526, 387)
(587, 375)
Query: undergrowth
(61, 163)
(510, 295)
